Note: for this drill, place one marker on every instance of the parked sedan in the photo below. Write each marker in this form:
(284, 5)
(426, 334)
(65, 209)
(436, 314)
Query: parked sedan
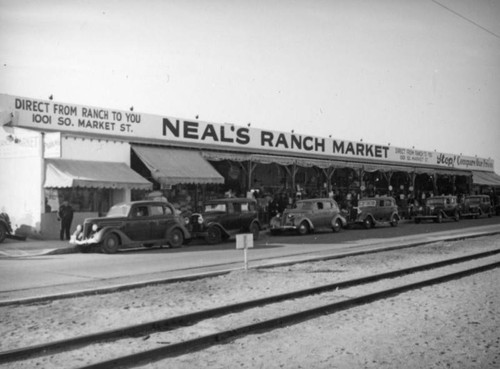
(132, 224)
(309, 215)
(438, 208)
(223, 218)
(475, 206)
(375, 210)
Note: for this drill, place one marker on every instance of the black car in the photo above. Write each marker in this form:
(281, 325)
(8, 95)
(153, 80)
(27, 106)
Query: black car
(375, 210)
(223, 218)
(475, 206)
(438, 208)
(132, 224)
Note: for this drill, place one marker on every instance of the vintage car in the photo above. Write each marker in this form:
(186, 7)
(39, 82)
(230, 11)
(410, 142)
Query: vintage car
(374, 210)
(132, 224)
(438, 208)
(309, 215)
(475, 206)
(5, 227)
(223, 218)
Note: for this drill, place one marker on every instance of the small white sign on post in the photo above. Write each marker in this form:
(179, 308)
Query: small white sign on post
(244, 241)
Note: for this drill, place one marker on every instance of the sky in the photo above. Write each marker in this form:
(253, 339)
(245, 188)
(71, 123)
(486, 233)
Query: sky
(413, 73)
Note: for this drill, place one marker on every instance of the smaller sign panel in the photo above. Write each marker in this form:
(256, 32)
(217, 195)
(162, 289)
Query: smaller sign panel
(244, 241)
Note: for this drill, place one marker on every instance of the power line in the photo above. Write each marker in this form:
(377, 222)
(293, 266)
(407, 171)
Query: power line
(466, 19)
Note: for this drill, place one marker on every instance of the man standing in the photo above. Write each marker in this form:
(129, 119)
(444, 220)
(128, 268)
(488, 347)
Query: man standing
(66, 217)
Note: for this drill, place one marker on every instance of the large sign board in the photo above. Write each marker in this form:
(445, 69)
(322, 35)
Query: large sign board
(129, 125)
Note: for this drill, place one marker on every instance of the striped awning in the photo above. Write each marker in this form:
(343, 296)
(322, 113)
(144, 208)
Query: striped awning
(175, 166)
(63, 173)
(485, 178)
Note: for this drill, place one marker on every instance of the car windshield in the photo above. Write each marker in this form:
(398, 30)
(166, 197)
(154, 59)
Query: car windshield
(435, 201)
(367, 203)
(215, 207)
(121, 210)
(304, 205)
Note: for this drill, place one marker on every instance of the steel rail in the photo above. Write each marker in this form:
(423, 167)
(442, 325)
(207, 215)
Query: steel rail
(199, 343)
(192, 318)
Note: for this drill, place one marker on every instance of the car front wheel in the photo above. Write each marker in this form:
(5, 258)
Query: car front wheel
(213, 235)
(303, 229)
(110, 243)
(439, 218)
(175, 238)
(367, 223)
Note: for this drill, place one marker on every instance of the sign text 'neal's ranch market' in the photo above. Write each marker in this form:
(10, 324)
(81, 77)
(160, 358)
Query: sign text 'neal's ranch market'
(231, 134)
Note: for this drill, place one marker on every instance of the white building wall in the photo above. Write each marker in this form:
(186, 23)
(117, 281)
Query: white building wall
(92, 149)
(21, 195)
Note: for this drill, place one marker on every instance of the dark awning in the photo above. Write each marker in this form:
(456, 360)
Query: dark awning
(370, 168)
(223, 155)
(451, 172)
(174, 166)
(485, 178)
(62, 173)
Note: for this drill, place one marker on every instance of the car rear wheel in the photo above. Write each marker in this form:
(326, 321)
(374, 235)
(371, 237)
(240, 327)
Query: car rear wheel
(213, 235)
(394, 221)
(175, 238)
(337, 226)
(303, 229)
(255, 230)
(110, 243)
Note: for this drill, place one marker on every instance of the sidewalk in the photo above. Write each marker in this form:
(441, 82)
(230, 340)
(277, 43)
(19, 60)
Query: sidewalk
(32, 247)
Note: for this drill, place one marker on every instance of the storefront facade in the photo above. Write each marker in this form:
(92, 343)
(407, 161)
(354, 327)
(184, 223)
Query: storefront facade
(96, 157)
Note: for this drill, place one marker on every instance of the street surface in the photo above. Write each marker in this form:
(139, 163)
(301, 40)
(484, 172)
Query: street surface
(35, 276)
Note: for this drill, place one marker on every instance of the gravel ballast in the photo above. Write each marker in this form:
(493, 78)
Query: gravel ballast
(454, 324)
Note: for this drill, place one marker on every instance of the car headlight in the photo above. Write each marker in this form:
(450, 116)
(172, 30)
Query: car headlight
(95, 227)
(200, 220)
(186, 220)
(79, 228)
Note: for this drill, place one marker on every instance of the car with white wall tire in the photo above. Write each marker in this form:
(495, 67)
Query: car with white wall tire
(130, 225)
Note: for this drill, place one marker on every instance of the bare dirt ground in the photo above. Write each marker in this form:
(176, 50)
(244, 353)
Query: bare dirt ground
(452, 325)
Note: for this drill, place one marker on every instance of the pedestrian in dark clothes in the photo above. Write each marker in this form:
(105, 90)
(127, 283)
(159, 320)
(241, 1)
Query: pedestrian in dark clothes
(66, 217)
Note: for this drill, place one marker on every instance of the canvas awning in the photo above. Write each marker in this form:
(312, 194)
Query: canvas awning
(62, 173)
(222, 155)
(174, 166)
(485, 178)
(370, 168)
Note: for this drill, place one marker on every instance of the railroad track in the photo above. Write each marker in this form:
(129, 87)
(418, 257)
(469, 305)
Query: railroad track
(299, 309)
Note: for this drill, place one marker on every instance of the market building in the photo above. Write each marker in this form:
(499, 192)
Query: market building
(95, 157)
